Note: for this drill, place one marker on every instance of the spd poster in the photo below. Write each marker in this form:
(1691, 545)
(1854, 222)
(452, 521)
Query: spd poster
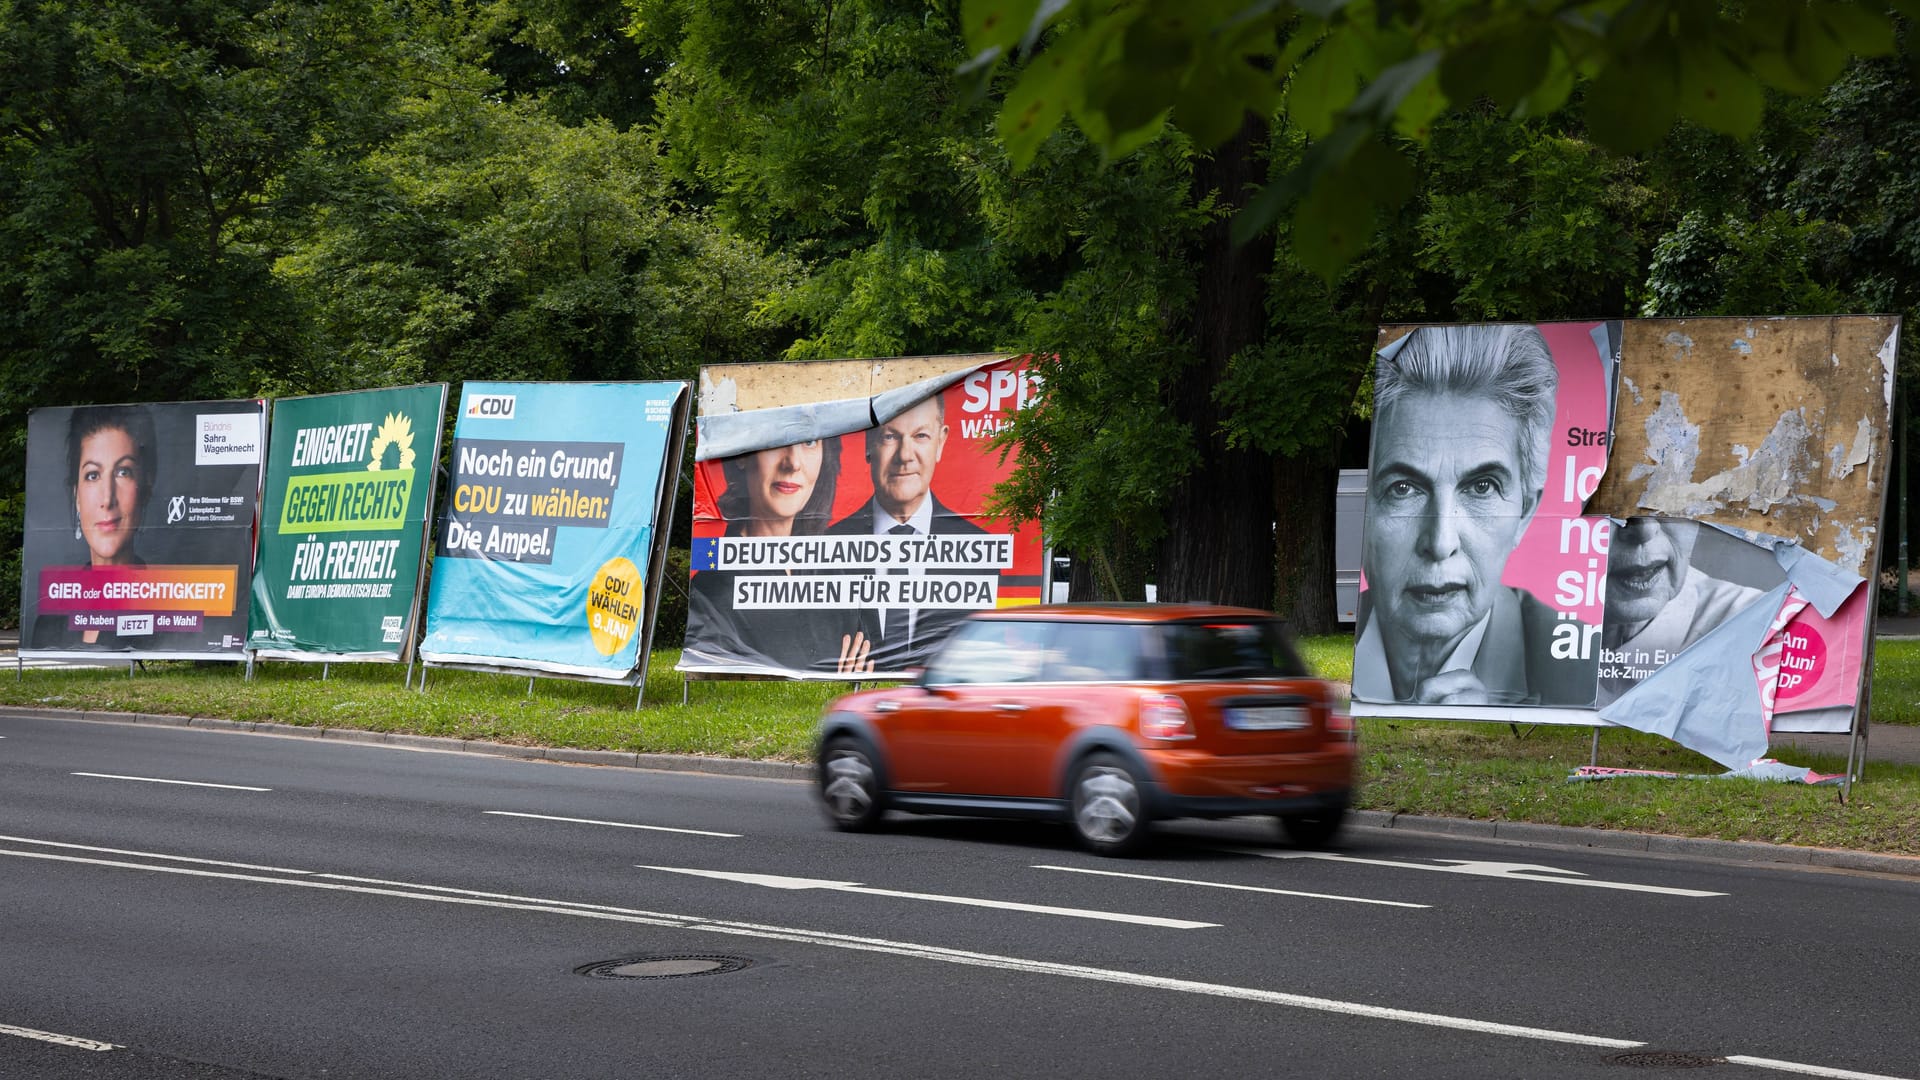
(350, 479)
(547, 554)
(839, 529)
(139, 529)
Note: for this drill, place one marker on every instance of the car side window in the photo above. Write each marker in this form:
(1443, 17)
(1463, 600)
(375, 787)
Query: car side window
(991, 651)
(1093, 652)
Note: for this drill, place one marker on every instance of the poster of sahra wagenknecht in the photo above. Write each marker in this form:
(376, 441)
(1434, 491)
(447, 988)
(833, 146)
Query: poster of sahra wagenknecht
(547, 555)
(139, 529)
(350, 481)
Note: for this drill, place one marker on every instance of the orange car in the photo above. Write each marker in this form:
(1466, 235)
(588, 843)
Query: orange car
(1105, 716)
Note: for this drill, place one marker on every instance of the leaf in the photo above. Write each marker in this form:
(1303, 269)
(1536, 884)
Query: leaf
(1504, 65)
(1714, 91)
(1860, 31)
(1382, 98)
(1631, 104)
(995, 24)
(1331, 227)
(1208, 107)
(1037, 102)
(1551, 94)
(1323, 84)
(1814, 52)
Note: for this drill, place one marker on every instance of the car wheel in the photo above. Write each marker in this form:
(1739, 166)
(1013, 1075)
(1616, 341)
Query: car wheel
(849, 785)
(1109, 815)
(1314, 829)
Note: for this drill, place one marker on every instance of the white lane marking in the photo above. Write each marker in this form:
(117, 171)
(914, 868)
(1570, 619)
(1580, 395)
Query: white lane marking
(414, 891)
(614, 824)
(149, 855)
(772, 881)
(158, 780)
(881, 945)
(1508, 871)
(74, 1041)
(1806, 1070)
(1240, 888)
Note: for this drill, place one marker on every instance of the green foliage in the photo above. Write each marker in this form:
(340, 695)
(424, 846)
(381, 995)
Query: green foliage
(1349, 72)
(142, 147)
(488, 240)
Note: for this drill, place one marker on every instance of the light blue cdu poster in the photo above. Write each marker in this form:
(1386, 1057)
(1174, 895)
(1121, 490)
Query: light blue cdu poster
(548, 551)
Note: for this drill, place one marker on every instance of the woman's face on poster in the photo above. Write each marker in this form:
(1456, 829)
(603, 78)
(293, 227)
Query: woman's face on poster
(1446, 504)
(107, 495)
(782, 479)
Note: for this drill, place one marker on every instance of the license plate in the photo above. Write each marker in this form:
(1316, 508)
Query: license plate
(1268, 718)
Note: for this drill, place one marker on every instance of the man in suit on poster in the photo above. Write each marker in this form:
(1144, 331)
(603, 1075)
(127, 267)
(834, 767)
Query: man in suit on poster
(901, 455)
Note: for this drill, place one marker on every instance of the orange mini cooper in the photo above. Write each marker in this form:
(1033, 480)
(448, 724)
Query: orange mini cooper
(1105, 716)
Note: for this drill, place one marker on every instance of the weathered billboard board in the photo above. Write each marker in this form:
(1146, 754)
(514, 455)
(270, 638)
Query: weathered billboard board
(838, 528)
(1662, 524)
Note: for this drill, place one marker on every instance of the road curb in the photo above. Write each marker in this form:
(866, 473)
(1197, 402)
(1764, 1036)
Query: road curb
(1515, 831)
(1652, 843)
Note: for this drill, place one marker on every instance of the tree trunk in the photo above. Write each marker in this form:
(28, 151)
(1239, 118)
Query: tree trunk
(1219, 544)
(1303, 511)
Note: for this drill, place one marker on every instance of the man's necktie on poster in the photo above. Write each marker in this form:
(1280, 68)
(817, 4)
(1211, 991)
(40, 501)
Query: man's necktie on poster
(898, 622)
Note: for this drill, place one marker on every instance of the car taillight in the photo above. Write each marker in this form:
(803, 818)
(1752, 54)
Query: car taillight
(1340, 726)
(1164, 717)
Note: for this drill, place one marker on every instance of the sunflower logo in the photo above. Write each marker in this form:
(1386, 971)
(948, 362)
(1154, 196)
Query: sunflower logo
(395, 431)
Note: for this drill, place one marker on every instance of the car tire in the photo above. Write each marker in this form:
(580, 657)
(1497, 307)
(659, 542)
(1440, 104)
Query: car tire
(850, 784)
(1315, 828)
(1109, 812)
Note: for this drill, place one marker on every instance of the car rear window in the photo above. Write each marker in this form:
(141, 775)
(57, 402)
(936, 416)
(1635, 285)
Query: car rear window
(1093, 652)
(1230, 649)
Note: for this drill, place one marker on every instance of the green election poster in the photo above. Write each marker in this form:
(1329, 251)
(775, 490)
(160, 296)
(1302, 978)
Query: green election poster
(342, 523)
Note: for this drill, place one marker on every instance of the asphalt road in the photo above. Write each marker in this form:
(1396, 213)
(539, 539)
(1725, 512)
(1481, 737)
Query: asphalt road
(346, 910)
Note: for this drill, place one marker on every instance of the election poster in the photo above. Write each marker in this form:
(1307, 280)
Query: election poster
(1482, 575)
(350, 481)
(1686, 555)
(548, 553)
(839, 527)
(139, 529)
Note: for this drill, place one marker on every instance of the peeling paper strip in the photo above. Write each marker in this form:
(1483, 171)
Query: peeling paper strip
(726, 435)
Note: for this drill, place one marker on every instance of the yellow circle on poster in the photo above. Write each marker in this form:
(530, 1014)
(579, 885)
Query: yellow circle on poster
(614, 605)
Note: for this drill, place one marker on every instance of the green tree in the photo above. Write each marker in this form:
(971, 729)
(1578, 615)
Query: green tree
(1348, 73)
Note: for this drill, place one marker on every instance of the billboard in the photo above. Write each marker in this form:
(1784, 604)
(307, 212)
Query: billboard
(350, 480)
(1662, 524)
(139, 529)
(839, 529)
(547, 556)
(1481, 575)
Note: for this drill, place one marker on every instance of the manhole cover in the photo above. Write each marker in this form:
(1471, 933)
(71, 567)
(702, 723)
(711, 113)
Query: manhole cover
(1663, 1059)
(664, 967)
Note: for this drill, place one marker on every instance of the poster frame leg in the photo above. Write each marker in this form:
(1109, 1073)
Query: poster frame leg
(1593, 758)
(684, 683)
(249, 676)
(323, 671)
(529, 686)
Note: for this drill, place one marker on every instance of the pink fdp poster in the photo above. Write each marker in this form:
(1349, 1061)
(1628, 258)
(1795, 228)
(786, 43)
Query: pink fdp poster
(1484, 583)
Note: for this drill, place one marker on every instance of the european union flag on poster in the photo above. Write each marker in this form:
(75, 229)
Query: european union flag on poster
(547, 554)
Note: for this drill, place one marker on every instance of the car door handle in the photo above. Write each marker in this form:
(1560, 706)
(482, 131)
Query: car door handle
(1010, 706)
